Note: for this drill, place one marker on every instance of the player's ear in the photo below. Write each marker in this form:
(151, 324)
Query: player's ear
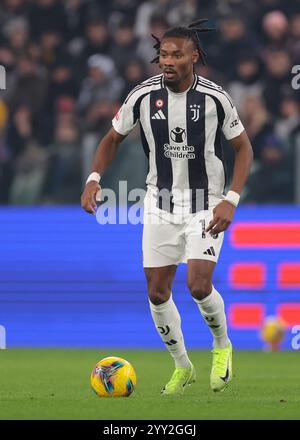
(195, 56)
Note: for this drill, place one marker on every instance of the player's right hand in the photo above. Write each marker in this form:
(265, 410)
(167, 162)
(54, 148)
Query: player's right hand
(88, 197)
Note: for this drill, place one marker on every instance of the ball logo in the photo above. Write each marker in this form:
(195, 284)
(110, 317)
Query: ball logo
(178, 135)
(159, 103)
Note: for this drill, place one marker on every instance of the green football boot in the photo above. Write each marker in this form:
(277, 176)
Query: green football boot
(221, 372)
(179, 380)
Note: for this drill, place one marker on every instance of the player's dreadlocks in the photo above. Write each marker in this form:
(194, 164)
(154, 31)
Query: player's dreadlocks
(191, 32)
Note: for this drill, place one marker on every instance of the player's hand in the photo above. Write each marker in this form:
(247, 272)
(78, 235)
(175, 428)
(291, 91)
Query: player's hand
(223, 214)
(88, 197)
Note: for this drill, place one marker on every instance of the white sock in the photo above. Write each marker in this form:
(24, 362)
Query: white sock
(213, 311)
(168, 324)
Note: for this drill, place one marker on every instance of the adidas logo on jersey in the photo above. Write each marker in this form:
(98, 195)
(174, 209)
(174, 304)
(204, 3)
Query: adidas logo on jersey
(158, 115)
(210, 251)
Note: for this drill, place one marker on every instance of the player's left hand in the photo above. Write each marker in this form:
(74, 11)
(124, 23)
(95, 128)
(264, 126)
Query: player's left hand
(223, 214)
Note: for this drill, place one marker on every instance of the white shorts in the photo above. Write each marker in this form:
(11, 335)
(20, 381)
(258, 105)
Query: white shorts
(172, 239)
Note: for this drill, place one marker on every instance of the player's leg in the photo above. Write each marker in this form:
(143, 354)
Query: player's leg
(202, 252)
(208, 299)
(163, 245)
(165, 314)
(168, 324)
(211, 307)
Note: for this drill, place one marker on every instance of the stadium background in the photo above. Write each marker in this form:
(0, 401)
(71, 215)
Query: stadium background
(66, 281)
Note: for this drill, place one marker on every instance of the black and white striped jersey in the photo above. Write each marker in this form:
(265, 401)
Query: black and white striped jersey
(181, 136)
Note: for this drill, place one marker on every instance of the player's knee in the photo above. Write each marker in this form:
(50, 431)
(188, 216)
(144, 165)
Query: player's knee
(200, 288)
(158, 294)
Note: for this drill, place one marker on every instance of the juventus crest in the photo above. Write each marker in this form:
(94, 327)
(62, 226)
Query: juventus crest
(195, 109)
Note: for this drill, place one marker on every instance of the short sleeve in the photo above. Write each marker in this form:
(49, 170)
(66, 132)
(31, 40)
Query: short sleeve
(232, 125)
(126, 119)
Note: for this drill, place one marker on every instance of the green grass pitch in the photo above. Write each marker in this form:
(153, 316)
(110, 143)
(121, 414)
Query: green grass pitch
(55, 384)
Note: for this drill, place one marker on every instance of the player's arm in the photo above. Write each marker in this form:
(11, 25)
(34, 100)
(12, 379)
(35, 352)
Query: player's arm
(105, 153)
(242, 162)
(224, 211)
(122, 124)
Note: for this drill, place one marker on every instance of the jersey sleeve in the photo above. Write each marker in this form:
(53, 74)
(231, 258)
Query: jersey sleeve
(232, 125)
(126, 118)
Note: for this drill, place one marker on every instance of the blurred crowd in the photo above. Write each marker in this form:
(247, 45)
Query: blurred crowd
(70, 64)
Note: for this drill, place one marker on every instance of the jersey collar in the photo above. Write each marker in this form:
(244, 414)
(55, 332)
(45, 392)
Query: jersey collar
(193, 86)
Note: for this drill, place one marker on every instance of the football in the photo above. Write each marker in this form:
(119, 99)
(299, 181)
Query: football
(273, 331)
(113, 377)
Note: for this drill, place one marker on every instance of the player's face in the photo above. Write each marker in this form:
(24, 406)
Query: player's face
(176, 59)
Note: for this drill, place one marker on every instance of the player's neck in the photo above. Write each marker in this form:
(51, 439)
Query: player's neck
(183, 85)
